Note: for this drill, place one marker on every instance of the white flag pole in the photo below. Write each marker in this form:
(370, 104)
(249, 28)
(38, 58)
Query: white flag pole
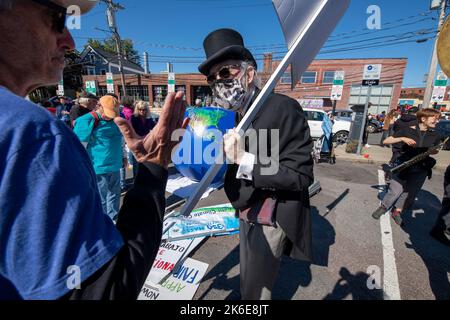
(252, 112)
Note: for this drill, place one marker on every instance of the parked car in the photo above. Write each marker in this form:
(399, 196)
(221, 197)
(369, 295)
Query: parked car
(374, 125)
(341, 127)
(443, 127)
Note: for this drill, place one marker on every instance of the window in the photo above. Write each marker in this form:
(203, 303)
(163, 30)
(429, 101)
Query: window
(309, 77)
(137, 92)
(90, 71)
(103, 72)
(314, 115)
(381, 97)
(286, 78)
(159, 93)
(328, 77)
(102, 91)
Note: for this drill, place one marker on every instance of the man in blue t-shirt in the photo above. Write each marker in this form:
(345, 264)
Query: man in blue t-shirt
(104, 144)
(55, 241)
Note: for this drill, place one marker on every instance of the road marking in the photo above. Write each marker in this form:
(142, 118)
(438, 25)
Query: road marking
(391, 286)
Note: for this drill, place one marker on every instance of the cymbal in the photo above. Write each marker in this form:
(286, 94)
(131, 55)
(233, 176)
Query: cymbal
(443, 47)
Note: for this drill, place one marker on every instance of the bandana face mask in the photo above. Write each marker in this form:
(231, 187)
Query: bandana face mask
(229, 94)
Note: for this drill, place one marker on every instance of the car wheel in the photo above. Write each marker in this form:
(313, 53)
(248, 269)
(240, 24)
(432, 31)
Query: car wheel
(371, 128)
(341, 137)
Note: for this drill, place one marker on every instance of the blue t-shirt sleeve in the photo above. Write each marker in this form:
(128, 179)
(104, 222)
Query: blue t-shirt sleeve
(83, 127)
(52, 224)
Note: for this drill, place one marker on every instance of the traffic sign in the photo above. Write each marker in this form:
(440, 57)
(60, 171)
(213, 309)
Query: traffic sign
(171, 82)
(371, 82)
(438, 94)
(372, 72)
(338, 85)
(336, 92)
(60, 91)
(110, 82)
(91, 87)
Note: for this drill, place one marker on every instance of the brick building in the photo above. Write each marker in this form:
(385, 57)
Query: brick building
(315, 84)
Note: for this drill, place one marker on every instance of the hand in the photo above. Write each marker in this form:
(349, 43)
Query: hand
(408, 141)
(233, 147)
(157, 146)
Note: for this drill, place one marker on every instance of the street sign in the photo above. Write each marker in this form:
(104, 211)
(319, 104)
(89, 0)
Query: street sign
(438, 94)
(91, 87)
(60, 91)
(336, 92)
(110, 82)
(372, 74)
(440, 88)
(371, 82)
(338, 85)
(171, 82)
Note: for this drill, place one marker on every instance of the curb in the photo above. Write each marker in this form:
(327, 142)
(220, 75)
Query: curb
(380, 162)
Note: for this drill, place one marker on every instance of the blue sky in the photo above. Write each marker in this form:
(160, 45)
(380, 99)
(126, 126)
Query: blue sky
(173, 30)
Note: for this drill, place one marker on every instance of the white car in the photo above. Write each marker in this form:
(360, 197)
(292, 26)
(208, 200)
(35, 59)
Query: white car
(341, 127)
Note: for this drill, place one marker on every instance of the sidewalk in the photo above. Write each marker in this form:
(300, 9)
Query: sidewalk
(378, 155)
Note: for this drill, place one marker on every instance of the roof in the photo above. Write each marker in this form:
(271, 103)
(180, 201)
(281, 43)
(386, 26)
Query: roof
(112, 58)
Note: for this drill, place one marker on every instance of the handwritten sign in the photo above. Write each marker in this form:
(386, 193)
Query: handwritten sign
(179, 286)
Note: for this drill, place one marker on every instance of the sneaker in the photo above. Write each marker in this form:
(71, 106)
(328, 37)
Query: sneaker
(379, 212)
(396, 215)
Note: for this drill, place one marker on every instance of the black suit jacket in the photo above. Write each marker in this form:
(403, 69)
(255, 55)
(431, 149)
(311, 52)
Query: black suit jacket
(290, 183)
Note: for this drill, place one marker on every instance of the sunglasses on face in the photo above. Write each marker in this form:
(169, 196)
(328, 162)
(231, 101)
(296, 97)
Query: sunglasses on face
(58, 14)
(223, 73)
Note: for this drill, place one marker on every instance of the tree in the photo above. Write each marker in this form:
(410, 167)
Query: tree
(109, 45)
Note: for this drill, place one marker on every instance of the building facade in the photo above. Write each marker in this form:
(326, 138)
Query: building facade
(99, 62)
(314, 88)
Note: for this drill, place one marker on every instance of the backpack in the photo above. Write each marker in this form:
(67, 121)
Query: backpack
(96, 119)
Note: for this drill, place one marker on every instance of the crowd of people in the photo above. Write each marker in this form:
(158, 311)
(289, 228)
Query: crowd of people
(60, 178)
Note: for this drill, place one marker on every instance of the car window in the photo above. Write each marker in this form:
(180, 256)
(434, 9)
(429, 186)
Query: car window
(308, 115)
(317, 116)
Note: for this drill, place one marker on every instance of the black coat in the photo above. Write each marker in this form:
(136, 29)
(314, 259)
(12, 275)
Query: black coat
(290, 184)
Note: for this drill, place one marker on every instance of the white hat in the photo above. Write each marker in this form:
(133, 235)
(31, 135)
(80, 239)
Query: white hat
(85, 5)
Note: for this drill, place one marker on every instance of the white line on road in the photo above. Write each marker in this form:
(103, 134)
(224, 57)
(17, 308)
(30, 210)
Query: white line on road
(391, 286)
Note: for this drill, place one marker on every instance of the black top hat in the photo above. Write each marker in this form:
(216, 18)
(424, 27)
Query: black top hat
(224, 44)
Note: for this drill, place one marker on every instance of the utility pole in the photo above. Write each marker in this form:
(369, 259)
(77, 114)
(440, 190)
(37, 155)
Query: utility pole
(112, 8)
(434, 60)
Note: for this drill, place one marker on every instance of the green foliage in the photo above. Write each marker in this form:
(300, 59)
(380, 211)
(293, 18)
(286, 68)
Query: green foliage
(109, 45)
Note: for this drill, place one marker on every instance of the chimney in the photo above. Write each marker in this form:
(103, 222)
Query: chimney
(268, 63)
(146, 66)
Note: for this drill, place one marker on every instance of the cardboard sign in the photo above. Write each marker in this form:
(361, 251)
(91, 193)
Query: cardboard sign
(179, 286)
(168, 255)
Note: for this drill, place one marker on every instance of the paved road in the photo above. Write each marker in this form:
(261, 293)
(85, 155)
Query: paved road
(347, 245)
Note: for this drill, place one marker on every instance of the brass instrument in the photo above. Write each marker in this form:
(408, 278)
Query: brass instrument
(443, 47)
(416, 159)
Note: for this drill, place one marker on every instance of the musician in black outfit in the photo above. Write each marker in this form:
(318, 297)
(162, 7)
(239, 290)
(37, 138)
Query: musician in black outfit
(441, 230)
(410, 141)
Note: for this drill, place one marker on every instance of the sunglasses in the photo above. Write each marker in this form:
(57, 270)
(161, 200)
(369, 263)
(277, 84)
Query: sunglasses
(223, 73)
(58, 14)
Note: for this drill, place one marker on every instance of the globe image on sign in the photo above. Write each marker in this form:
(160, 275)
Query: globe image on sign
(202, 142)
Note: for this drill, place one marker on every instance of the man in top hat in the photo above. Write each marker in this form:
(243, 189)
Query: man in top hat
(56, 242)
(273, 186)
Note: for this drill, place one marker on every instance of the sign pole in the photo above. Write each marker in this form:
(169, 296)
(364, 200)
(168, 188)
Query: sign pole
(363, 127)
